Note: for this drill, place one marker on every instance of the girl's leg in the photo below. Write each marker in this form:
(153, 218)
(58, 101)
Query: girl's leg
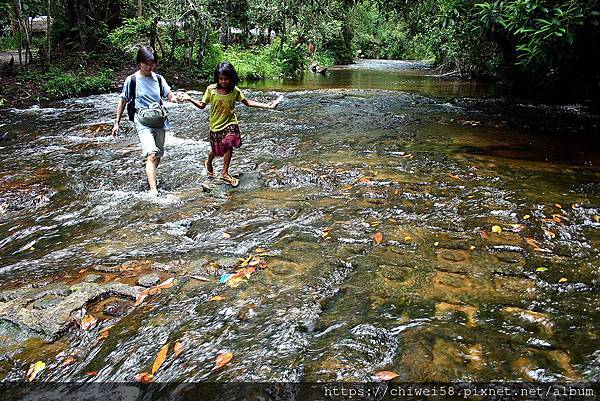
(209, 161)
(226, 161)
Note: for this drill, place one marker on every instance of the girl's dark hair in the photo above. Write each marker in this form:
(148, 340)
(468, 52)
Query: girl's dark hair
(227, 69)
(146, 53)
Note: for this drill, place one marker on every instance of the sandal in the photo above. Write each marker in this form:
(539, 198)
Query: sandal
(210, 174)
(234, 182)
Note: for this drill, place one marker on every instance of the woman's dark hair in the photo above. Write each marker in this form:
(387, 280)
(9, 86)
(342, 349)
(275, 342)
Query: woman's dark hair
(146, 53)
(227, 69)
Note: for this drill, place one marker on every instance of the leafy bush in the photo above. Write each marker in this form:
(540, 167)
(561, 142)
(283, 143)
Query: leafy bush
(133, 33)
(62, 85)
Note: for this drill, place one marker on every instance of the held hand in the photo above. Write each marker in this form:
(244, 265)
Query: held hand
(183, 97)
(275, 102)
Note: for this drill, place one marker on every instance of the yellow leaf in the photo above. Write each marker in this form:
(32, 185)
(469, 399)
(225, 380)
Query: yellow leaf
(378, 237)
(226, 235)
(558, 205)
(223, 359)
(563, 280)
(144, 377)
(177, 349)
(347, 187)
(260, 250)
(386, 375)
(472, 247)
(235, 281)
(160, 358)
(526, 217)
(436, 243)
(34, 369)
(496, 229)
(88, 322)
(407, 238)
(216, 298)
(375, 223)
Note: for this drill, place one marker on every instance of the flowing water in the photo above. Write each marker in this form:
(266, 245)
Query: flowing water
(402, 221)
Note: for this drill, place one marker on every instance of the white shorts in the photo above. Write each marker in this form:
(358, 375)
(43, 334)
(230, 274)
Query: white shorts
(152, 139)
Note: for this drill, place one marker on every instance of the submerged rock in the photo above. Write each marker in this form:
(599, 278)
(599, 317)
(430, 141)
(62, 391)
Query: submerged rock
(49, 312)
(148, 280)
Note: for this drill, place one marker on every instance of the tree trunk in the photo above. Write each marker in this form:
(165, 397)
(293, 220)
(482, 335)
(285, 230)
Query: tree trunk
(139, 8)
(173, 41)
(15, 18)
(224, 36)
(202, 49)
(49, 33)
(153, 33)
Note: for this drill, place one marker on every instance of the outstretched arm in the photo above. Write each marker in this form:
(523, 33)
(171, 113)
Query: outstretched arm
(199, 104)
(253, 103)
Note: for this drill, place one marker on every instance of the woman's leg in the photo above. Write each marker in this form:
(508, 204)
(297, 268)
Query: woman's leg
(209, 161)
(152, 162)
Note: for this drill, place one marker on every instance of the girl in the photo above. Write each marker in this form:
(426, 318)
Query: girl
(224, 131)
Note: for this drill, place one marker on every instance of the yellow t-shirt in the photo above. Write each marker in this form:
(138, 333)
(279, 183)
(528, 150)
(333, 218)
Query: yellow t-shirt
(221, 107)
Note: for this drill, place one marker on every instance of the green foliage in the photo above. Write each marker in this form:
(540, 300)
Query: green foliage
(133, 33)
(58, 84)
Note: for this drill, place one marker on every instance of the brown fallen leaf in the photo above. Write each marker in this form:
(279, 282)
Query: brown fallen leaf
(88, 322)
(549, 234)
(153, 291)
(558, 205)
(104, 333)
(517, 227)
(386, 375)
(223, 359)
(160, 358)
(454, 176)
(140, 298)
(144, 377)
(177, 349)
(34, 369)
(364, 179)
(167, 283)
(532, 242)
(378, 237)
(91, 373)
(82, 271)
(226, 235)
(484, 234)
(68, 361)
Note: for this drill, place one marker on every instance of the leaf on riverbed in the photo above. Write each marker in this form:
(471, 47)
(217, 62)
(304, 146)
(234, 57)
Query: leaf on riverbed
(140, 298)
(104, 333)
(226, 235)
(160, 358)
(517, 227)
(386, 375)
(82, 271)
(563, 280)
(496, 229)
(88, 322)
(68, 361)
(223, 359)
(216, 298)
(407, 238)
(167, 283)
(541, 269)
(364, 179)
(91, 373)
(177, 349)
(484, 234)
(526, 217)
(144, 377)
(596, 218)
(235, 281)
(558, 205)
(454, 176)
(347, 187)
(200, 278)
(34, 369)
(378, 237)
(549, 234)
(532, 242)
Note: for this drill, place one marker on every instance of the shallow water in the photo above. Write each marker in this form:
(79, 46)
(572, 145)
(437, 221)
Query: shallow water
(430, 163)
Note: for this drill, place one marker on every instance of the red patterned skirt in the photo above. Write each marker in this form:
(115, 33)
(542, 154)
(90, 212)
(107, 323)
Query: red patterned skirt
(228, 138)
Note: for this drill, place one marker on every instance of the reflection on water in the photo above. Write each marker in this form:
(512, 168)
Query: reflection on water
(418, 230)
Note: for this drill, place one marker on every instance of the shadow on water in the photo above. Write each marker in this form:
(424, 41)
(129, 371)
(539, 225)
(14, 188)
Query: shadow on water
(425, 230)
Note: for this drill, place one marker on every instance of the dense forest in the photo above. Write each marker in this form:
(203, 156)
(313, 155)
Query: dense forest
(83, 45)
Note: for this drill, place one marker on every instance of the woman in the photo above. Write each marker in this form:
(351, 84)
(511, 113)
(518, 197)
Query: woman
(143, 92)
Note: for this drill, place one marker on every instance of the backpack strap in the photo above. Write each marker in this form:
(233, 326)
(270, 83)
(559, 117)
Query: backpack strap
(160, 87)
(132, 87)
